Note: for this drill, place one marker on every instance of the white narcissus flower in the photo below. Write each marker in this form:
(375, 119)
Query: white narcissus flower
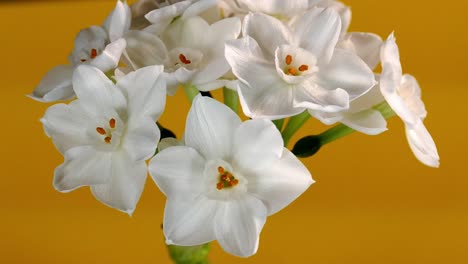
(285, 69)
(403, 94)
(107, 134)
(191, 50)
(360, 116)
(97, 46)
(227, 179)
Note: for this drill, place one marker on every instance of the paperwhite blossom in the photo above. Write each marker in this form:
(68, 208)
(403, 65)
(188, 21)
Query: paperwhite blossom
(403, 94)
(227, 179)
(107, 134)
(97, 46)
(285, 69)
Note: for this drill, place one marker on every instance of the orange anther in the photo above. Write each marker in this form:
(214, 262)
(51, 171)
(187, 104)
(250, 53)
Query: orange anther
(292, 71)
(108, 140)
(220, 186)
(112, 123)
(93, 53)
(101, 130)
(183, 59)
(234, 182)
(303, 68)
(288, 59)
(83, 60)
(221, 170)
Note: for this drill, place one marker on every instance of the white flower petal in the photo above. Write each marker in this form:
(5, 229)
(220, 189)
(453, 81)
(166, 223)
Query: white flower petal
(257, 143)
(189, 222)
(348, 72)
(167, 143)
(163, 16)
(238, 225)
(314, 97)
(267, 31)
(281, 183)
(365, 45)
(118, 21)
(370, 122)
(110, 56)
(178, 172)
(318, 31)
(145, 49)
(214, 70)
(142, 138)
(197, 8)
(55, 86)
(422, 144)
(210, 128)
(125, 186)
(343, 11)
(326, 117)
(275, 7)
(145, 91)
(368, 100)
(67, 126)
(410, 90)
(83, 166)
(89, 39)
(96, 92)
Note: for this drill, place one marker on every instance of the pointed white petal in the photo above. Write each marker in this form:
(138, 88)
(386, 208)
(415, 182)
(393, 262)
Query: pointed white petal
(422, 144)
(142, 138)
(348, 72)
(411, 91)
(257, 143)
(145, 90)
(167, 143)
(281, 183)
(370, 122)
(238, 224)
(165, 14)
(145, 49)
(178, 172)
(87, 40)
(326, 117)
(210, 128)
(55, 86)
(83, 166)
(365, 45)
(368, 100)
(67, 126)
(110, 56)
(96, 92)
(189, 222)
(118, 21)
(318, 31)
(277, 34)
(275, 7)
(124, 188)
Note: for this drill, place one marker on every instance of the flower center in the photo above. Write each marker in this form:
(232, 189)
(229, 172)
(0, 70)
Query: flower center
(107, 133)
(291, 70)
(226, 179)
(184, 59)
(92, 54)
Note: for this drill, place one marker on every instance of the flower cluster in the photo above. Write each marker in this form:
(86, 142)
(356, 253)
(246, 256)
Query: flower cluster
(281, 59)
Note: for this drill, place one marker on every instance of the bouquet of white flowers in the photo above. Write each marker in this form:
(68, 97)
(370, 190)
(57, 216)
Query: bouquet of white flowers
(284, 61)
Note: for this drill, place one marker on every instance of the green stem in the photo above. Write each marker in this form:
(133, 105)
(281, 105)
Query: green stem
(189, 255)
(190, 91)
(231, 99)
(294, 124)
(334, 133)
(279, 124)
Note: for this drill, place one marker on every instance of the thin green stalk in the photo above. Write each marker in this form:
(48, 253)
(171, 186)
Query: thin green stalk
(231, 99)
(190, 91)
(279, 124)
(294, 124)
(334, 133)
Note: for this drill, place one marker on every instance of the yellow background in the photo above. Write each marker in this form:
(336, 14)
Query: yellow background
(373, 201)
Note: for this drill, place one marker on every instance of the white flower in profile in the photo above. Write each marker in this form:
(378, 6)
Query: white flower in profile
(285, 69)
(98, 46)
(107, 134)
(403, 94)
(227, 179)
